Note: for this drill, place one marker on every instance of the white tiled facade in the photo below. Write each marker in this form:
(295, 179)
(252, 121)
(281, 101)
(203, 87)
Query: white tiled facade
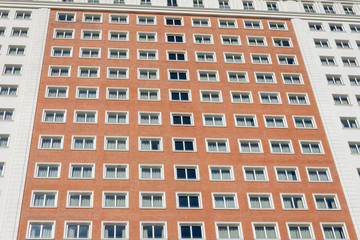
(14, 156)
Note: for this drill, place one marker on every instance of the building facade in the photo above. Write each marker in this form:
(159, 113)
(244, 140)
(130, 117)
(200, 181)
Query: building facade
(200, 120)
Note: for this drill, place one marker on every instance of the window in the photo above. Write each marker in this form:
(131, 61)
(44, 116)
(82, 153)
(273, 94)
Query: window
(182, 119)
(205, 57)
(214, 120)
(225, 201)
(178, 75)
(21, 32)
(4, 141)
(118, 73)
(316, 27)
(148, 74)
(79, 199)
(327, 61)
(292, 201)
(150, 144)
(153, 172)
(250, 146)
(349, 122)
(334, 231)
(8, 90)
(2, 31)
(44, 199)
(202, 22)
(115, 200)
(171, 21)
(198, 4)
(12, 69)
(311, 147)
(176, 56)
(87, 93)
(309, 8)
(255, 174)
(248, 5)
(287, 174)
(221, 173)
(184, 145)
(47, 170)
(85, 117)
(272, 7)
(61, 52)
(115, 230)
(304, 122)
(49, 116)
(239, 77)
(270, 98)
(92, 18)
(59, 33)
(66, 17)
(93, 1)
(149, 118)
(152, 200)
(22, 15)
(300, 231)
(342, 44)
(211, 96)
(147, 55)
(77, 230)
(329, 9)
(48, 142)
(40, 230)
(118, 54)
(292, 78)
(228, 231)
(191, 230)
(189, 200)
(233, 57)
(281, 146)
(355, 28)
(287, 60)
(358, 99)
(145, 2)
(252, 24)
(81, 171)
(203, 39)
(4, 14)
(326, 202)
(275, 121)
(172, 3)
(115, 171)
(321, 43)
(354, 147)
(227, 23)
(118, 36)
(89, 72)
(149, 94)
(260, 201)
(265, 77)
(277, 25)
(146, 20)
(265, 231)
(117, 143)
(319, 175)
(147, 37)
(186, 173)
(260, 59)
(91, 35)
(180, 95)
(175, 38)
(245, 120)
(298, 99)
(16, 50)
(120, 19)
(224, 4)
(354, 80)
(241, 97)
(217, 145)
(334, 79)
(282, 42)
(349, 61)
(256, 41)
(1, 169)
(348, 10)
(84, 143)
(336, 27)
(153, 230)
(59, 71)
(341, 99)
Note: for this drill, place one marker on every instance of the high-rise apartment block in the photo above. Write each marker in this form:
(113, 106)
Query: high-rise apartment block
(179, 119)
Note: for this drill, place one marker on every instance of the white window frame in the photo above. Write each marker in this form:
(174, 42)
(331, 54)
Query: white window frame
(198, 194)
(211, 91)
(207, 72)
(118, 33)
(182, 35)
(38, 222)
(148, 51)
(47, 164)
(312, 142)
(305, 117)
(327, 195)
(146, 17)
(227, 20)
(301, 195)
(65, 13)
(262, 194)
(242, 92)
(147, 33)
(65, 30)
(237, 37)
(186, 71)
(184, 139)
(125, 193)
(277, 28)
(272, 74)
(222, 115)
(217, 140)
(116, 138)
(332, 225)
(261, 55)
(118, 50)
(281, 39)
(114, 88)
(252, 24)
(104, 223)
(283, 117)
(81, 192)
(89, 223)
(194, 167)
(92, 165)
(201, 19)
(119, 16)
(292, 168)
(152, 223)
(48, 87)
(201, 224)
(148, 70)
(53, 48)
(254, 168)
(228, 224)
(264, 224)
(151, 90)
(92, 15)
(280, 141)
(195, 35)
(291, 75)
(225, 194)
(245, 116)
(256, 38)
(158, 114)
(173, 18)
(45, 192)
(83, 31)
(151, 193)
(83, 137)
(233, 54)
(258, 141)
(187, 114)
(237, 73)
(61, 137)
(271, 93)
(151, 139)
(287, 57)
(188, 91)
(326, 169)
(126, 166)
(76, 112)
(220, 167)
(64, 111)
(160, 166)
(300, 224)
(60, 69)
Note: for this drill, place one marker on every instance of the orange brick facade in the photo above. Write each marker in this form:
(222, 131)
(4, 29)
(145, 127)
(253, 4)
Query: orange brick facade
(168, 158)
